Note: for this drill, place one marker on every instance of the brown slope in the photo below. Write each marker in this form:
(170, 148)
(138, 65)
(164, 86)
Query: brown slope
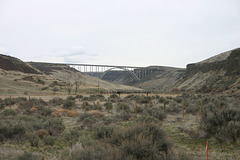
(11, 63)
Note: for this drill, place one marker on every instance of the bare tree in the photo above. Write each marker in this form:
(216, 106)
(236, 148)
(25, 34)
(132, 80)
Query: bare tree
(77, 84)
(69, 83)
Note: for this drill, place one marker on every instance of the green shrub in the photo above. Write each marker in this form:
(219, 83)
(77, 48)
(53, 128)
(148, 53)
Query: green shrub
(2, 137)
(106, 105)
(224, 125)
(142, 141)
(44, 88)
(125, 116)
(119, 107)
(130, 97)
(87, 119)
(68, 104)
(146, 119)
(27, 156)
(79, 96)
(57, 101)
(161, 100)
(1, 104)
(175, 108)
(158, 113)
(178, 99)
(143, 99)
(103, 131)
(54, 125)
(34, 140)
(45, 111)
(8, 112)
(49, 140)
(114, 96)
(71, 98)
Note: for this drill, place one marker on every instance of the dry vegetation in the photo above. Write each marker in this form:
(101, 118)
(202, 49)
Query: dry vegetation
(114, 128)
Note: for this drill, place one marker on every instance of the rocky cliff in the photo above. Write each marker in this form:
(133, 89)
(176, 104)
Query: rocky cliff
(218, 73)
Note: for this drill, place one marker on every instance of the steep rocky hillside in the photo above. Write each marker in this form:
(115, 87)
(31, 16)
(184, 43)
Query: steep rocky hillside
(158, 77)
(219, 73)
(11, 63)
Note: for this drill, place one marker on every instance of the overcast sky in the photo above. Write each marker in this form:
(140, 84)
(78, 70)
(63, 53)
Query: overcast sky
(119, 32)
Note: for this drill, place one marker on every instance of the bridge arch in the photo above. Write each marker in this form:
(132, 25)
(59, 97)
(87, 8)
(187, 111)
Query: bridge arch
(125, 69)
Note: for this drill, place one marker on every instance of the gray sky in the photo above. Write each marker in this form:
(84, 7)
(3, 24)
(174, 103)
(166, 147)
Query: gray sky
(120, 32)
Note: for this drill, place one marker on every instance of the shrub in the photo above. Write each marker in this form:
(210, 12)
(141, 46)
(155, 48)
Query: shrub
(114, 96)
(224, 125)
(87, 119)
(34, 140)
(8, 112)
(125, 116)
(72, 135)
(49, 140)
(57, 101)
(106, 105)
(142, 141)
(103, 131)
(174, 108)
(143, 99)
(27, 156)
(156, 112)
(79, 96)
(161, 100)
(119, 107)
(71, 98)
(130, 97)
(45, 111)
(68, 104)
(146, 119)
(55, 126)
(1, 104)
(44, 88)
(178, 99)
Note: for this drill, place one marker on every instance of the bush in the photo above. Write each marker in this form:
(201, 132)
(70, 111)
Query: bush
(119, 107)
(223, 125)
(45, 111)
(68, 104)
(34, 140)
(146, 119)
(143, 99)
(114, 96)
(79, 96)
(174, 108)
(106, 105)
(8, 112)
(57, 101)
(71, 98)
(178, 99)
(102, 132)
(55, 126)
(87, 119)
(156, 112)
(49, 140)
(142, 141)
(27, 156)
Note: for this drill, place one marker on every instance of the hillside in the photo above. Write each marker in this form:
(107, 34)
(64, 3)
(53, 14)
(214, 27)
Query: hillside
(157, 78)
(66, 73)
(11, 63)
(21, 78)
(219, 73)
